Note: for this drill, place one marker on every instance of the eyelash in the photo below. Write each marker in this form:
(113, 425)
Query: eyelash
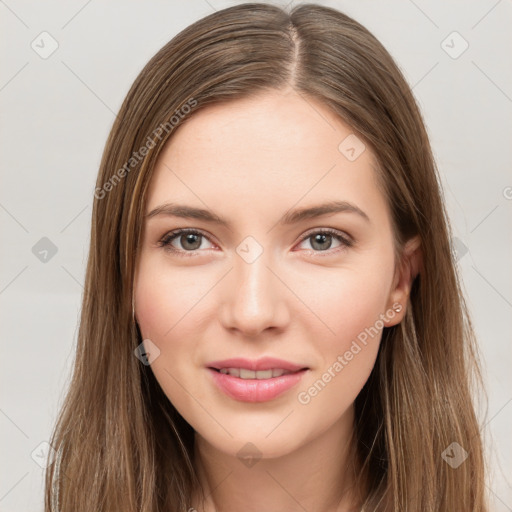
(165, 241)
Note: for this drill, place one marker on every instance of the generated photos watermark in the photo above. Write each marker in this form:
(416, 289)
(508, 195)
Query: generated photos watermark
(138, 156)
(305, 397)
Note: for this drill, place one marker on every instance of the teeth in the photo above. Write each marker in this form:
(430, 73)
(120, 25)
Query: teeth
(247, 374)
(235, 372)
(243, 373)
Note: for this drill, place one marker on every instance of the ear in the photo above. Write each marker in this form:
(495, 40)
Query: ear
(406, 270)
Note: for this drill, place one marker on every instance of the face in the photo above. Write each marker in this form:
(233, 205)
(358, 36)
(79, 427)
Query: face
(253, 278)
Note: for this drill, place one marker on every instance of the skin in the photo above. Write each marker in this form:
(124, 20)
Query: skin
(250, 161)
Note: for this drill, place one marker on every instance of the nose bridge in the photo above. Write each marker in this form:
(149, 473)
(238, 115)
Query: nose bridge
(255, 297)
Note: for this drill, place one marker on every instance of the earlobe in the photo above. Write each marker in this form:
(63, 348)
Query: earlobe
(410, 266)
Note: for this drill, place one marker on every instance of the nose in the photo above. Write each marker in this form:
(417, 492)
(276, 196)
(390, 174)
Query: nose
(254, 298)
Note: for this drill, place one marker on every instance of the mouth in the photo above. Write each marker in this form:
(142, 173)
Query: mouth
(246, 374)
(263, 364)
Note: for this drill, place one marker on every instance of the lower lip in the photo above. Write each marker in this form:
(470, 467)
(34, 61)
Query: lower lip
(255, 390)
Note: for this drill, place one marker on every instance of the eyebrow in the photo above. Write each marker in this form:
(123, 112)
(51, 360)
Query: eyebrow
(290, 217)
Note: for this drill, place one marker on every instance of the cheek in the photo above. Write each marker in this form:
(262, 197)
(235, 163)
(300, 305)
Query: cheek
(170, 311)
(349, 305)
(166, 300)
(165, 313)
(345, 301)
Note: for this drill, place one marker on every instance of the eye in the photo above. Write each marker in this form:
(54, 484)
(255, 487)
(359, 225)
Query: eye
(190, 240)
(321, 241)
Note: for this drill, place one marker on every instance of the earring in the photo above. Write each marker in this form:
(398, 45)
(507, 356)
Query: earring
(397, 307)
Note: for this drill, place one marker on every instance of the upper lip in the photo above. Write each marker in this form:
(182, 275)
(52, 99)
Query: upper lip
(264, 363)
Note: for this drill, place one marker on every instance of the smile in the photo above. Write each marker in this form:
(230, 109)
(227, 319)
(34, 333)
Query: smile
(244, 373)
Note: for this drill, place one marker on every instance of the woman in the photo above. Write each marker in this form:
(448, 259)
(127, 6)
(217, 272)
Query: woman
(272, 316)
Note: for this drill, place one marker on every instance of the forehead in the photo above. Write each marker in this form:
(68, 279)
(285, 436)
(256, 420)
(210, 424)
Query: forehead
(265, 152)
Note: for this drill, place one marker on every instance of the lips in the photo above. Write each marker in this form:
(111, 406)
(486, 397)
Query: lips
(255, 390)
(257, 380)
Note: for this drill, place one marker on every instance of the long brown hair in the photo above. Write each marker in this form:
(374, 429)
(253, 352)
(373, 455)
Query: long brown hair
(120, 443)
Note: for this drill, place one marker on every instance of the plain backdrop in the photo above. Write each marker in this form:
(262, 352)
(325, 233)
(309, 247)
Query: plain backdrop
(65, 69)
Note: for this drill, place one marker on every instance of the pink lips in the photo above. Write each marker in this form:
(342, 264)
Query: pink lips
(255, 390)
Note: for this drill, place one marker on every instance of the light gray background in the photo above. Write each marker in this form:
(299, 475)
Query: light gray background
(57, 113)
